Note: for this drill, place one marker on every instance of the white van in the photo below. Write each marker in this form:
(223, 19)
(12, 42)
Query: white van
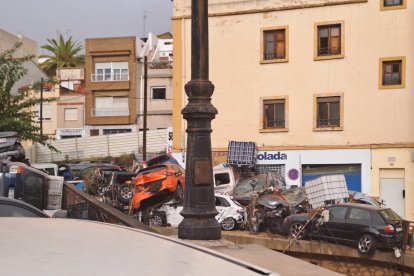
(224, 179)
(49, 168)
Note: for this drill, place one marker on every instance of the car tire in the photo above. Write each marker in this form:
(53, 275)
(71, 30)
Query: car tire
(296, 231)
(275, 225)
(125, 193)
(367, 244)
(157, 219)
(179, 193)
(229, 224)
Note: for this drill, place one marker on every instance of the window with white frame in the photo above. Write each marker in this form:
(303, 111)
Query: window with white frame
(111, 106)
(111, 71)
(71, 114)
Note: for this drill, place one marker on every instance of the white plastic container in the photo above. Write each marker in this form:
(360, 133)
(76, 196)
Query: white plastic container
(327, 189)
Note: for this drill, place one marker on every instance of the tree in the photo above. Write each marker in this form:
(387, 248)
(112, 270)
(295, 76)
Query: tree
(17, 112)
(64, 53)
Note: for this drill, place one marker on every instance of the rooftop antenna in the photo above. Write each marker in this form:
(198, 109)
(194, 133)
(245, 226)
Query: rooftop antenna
(144, 19)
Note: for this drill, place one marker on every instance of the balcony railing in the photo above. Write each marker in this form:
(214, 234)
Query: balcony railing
(329, 51)
(160, 65)
(275, 124)
(101, 112)
(328, 122)
(109, 77)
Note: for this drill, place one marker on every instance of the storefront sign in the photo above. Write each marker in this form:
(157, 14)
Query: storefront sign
(272, 156)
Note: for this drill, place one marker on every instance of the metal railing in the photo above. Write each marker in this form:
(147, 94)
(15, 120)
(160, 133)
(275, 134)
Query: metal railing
(328, 122)
(109, 77)
(98, 210)
(101, 112)
(160, 65)
(275, 55)
(276, 124)
(329, 51)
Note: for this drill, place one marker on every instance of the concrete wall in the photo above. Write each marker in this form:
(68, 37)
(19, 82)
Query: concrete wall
(71, 100)
(159, 110)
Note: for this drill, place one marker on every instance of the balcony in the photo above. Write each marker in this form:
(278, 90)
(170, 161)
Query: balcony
(109, 112)
(109, 77)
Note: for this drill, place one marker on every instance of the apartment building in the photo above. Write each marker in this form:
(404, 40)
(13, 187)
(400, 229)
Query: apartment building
(71, 104)
(33, 76)
(322, 87)
(114, 84)
(110, 85)
(158, 50)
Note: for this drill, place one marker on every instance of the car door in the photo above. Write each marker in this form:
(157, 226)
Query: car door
(333, 228)
(222, 207)
(358, 221)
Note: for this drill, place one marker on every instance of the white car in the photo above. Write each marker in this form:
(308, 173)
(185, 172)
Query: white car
(230, 216)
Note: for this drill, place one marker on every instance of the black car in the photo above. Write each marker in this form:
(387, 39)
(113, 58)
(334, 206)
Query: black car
(361, 225)
(16, 208)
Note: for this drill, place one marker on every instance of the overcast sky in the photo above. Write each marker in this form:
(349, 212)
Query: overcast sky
(42, 19)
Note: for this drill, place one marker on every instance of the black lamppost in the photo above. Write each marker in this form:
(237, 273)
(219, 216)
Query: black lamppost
(199, 210)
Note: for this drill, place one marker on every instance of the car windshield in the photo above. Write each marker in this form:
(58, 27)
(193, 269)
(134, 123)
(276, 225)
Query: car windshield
(390, 214)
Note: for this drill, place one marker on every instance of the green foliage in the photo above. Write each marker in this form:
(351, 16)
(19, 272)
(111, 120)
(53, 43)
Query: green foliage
(63, 53)
(17, 111)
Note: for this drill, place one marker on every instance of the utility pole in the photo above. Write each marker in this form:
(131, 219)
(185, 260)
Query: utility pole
(41, 108)
(144, 133)
(199, 210)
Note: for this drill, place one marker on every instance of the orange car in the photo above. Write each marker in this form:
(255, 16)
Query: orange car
(158, 184)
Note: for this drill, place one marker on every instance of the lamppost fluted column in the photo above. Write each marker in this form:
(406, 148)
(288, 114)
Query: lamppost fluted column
(199, 210)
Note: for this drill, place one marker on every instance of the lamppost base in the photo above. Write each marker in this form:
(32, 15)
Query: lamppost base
(199, 229)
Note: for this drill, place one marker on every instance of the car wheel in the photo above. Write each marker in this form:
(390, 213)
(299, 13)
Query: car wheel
(157, 219)
(125, 193)
(275, 225)
(228, 224)
(179, 193)
(296, 231)
(367, 244)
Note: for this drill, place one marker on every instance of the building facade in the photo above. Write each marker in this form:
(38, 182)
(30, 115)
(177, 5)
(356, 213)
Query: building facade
(159, 82)
(110, 85)
(114, 84)
(321, 86)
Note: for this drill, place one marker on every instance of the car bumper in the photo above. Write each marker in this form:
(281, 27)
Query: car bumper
(389, 241)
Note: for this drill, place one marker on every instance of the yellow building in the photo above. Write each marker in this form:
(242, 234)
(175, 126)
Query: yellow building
(322, 87)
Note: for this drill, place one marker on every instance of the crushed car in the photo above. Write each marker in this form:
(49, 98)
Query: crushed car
(231, 214)
(364, 226)
(158, 184)
(268, 210)
(10, 148)
(245, 189)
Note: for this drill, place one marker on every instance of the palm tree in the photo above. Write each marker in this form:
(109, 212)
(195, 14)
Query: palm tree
(64, 53)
